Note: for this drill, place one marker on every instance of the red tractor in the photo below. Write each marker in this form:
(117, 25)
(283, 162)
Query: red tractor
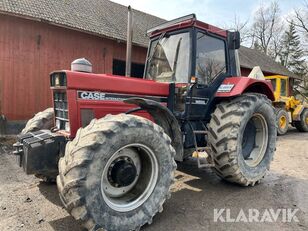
(111, 142)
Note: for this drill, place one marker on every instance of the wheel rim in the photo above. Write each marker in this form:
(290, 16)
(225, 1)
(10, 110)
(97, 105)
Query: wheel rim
(255, 140)
(306, 120)
(283, 122)
(129, 177)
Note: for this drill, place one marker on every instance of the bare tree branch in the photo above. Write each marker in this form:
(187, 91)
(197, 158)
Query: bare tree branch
(301, 20)
(267, 28)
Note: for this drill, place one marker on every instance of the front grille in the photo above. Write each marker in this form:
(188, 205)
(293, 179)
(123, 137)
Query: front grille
(61, 110)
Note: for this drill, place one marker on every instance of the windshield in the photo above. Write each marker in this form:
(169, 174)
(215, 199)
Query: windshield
(168, 59)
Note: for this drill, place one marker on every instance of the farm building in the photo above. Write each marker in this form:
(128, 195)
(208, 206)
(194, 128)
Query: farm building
(39, 36)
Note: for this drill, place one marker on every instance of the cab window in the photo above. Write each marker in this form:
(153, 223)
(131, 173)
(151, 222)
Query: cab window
(283, 89)
(273, 81)
(169, 58)
(210, 58)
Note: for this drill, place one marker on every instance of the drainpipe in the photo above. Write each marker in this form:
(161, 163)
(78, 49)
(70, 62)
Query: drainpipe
(129, 43)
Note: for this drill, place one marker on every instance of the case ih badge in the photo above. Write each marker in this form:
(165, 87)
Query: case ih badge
(94, 95)
(91, 95)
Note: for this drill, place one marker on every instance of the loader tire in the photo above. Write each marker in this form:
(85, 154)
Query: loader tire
(91, 185)
(242, 135)
(282, 121)
(302, 125)
(41, 120)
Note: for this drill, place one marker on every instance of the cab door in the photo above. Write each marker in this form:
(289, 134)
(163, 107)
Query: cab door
(210, 70)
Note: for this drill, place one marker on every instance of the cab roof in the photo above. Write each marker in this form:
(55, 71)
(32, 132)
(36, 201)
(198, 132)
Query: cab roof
(185, 22)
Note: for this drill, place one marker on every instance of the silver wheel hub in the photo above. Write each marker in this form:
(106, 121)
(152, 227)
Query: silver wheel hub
(256, 140)
(113, 188)
(129, 177)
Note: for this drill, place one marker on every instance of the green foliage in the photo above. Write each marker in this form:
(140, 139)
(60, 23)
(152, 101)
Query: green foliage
(292, 54)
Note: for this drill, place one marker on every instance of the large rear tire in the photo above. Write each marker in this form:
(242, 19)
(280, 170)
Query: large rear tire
(41, 120)
(302, 125)
(99, 188)
(282, 121)
(242, 135)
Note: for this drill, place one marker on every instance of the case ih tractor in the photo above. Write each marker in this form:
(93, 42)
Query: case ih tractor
(111, 142)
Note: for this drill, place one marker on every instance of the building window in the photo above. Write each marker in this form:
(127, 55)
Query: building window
(118, 68)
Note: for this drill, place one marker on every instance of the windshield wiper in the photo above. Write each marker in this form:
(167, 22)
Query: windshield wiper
(175, 63)
(158, 42)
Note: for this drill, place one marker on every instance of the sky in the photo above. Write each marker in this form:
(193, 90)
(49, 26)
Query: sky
(216, 12)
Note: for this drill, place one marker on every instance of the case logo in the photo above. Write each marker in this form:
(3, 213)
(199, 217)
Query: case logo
(91, 95)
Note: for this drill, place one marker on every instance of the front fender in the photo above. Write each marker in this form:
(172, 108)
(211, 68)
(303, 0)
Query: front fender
(164, 118)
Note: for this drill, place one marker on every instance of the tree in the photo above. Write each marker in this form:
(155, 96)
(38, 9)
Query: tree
(266, 29)
(292, 55)
(301, 19)
(242, 26)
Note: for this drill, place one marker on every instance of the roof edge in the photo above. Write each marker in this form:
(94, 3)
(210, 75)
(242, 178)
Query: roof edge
(27, 17)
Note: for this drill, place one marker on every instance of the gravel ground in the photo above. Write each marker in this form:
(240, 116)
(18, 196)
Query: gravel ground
(28, 204)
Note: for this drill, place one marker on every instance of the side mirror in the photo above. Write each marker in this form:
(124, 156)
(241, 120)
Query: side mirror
(234, 40)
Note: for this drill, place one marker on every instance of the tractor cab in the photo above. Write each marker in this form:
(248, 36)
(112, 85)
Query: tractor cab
(196, 58)
(289, 108)
(187, 51)
(281, 85)
(283, 91)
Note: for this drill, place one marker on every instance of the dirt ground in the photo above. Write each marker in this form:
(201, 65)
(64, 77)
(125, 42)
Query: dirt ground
(28, 204)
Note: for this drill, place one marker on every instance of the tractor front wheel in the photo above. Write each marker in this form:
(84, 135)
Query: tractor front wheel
(116, 173)
(302, 125)
(41, 120)
(242, 135)
(283, 121)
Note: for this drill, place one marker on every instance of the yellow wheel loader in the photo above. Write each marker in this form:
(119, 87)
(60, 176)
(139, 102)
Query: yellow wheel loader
(289, 108)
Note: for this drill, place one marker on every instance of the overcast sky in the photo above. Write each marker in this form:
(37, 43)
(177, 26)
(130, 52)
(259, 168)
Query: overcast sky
(216, 12)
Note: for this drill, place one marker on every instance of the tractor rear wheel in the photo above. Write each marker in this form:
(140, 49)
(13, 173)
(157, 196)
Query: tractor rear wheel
(242, 135)
(41, 120)
(283, 121)
(116, 173)
(302, 125)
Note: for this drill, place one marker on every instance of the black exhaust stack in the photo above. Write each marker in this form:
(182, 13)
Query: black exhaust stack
(129, 43)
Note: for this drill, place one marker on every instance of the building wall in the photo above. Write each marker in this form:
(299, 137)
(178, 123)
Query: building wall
(30, 50)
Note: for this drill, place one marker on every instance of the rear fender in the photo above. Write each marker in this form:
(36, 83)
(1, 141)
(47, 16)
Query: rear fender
(235, 86)
(164, 118)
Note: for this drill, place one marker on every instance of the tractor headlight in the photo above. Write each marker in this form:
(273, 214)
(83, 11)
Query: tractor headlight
(58, 79)
(67, 127)
(58, 123)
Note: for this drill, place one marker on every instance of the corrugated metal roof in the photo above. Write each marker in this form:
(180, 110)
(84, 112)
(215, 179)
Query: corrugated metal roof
(100, 17)
(109, 19)
(250, 58)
